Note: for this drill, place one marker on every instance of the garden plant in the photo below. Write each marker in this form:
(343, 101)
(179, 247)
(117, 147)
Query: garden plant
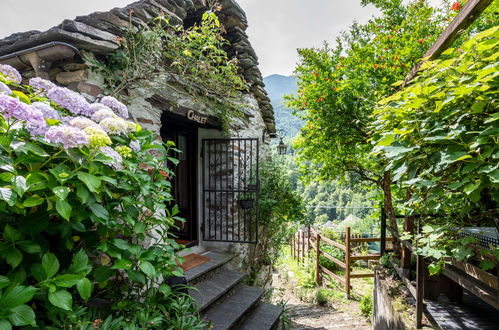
(85, 208)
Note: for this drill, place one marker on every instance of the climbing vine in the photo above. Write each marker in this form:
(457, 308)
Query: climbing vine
(440, 137)
(193, 57)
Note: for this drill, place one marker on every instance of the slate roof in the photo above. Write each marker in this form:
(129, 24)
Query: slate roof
(98, 33)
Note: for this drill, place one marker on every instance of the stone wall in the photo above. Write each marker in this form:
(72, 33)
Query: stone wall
(99, 33)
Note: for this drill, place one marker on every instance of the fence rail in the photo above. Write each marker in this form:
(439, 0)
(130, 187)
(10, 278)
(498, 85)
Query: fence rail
(305, 241)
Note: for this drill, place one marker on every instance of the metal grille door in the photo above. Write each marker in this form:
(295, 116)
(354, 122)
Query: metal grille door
(230, 190)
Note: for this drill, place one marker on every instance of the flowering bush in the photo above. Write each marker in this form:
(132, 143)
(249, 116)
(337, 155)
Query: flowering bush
(81, 190)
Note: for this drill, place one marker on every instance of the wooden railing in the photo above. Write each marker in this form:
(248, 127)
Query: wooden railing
(304, 241)
(479, 282)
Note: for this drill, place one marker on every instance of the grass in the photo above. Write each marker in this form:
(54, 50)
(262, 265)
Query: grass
(331, 293)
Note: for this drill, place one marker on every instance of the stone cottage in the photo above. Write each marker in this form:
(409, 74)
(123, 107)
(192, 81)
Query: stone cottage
(216, 184)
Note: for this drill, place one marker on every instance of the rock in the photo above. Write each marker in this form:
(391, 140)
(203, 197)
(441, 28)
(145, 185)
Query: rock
(172, 17)
(66, 78)
(124, 14)
(78, 40)
(84, 87)
(74, 66)
(101, 25)
(259, 93)
(72, 26)
(110, 18)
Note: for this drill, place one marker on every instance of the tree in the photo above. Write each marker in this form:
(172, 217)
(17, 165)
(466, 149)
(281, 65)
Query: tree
(339, 87)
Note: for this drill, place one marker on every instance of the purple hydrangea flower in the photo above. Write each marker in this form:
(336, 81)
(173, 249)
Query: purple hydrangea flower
(82, 123)
(70, 137)
(103, 112)
(117, 160)
(41, 86)
(119, 108)
(70, 100)
(47, 110)
(4, 89)
(13, 108)
(135, 145)
(10, 73)
(35, 122)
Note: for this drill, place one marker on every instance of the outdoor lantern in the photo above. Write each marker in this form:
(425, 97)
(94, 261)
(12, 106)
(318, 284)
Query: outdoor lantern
(282, 148)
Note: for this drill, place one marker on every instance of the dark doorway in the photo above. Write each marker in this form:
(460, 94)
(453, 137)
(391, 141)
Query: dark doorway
(185, 181)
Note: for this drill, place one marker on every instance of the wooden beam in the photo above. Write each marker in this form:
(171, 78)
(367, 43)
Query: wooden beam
(333, 243)
(477, 273)
(366, 257)
(369, 239)
(333, 259)
(347, 261)
(467, 15)
(361, 275)
(332, 275)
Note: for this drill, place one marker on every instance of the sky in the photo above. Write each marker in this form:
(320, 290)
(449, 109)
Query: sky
(277, 28)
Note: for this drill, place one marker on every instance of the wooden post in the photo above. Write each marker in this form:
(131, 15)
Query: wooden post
(317, 257)
(406, 252)
(382, 244)
(303, 247)
(347, 261)
(308, 241)
(293, 245)
(419, 286)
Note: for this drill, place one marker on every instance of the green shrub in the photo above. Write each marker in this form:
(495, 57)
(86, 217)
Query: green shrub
(366, 306)
(84, 211)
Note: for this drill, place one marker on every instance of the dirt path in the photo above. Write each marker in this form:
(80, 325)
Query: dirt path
(310, 316)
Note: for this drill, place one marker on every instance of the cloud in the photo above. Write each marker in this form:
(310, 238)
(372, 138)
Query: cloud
(277, 28)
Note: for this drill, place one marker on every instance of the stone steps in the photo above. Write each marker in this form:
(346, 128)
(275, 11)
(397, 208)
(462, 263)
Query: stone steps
(224, 302)
(264, 317)
(217, 260)
(211, 289)
(227, 313)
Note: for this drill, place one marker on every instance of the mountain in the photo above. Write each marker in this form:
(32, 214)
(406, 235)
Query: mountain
(277, 86)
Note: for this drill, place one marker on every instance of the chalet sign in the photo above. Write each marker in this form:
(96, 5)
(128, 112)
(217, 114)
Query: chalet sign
(197, 117)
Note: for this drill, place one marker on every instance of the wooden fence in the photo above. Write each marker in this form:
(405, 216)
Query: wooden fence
(304, 241)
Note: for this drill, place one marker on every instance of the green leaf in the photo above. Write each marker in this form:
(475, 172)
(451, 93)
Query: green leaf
(22, 315)
(19, 184)
(99, 211)
(470, 187)
(147, 268)
(136, 276)
(84, 287)
(29, 247)
(17, 295)
(63, 208)
(434, 268)
(38, 272)
(6, 194)
(13, 256)
(50, 264)
(83, 193)
(177, 273)
(11, 234)
(91, 181)
(5, 325)
(61, 192)
(80, 262)
(34, 200)
(61, 299)
(4, 281)
(102, 274)
(67, 280)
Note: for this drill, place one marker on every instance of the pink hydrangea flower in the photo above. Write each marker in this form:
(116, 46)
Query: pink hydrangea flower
(119, 108)
(70, 137)
(70, 100)
(10, 73)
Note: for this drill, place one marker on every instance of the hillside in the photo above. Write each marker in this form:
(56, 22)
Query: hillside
(277, 86)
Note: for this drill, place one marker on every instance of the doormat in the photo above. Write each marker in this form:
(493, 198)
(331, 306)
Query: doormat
(193, 260)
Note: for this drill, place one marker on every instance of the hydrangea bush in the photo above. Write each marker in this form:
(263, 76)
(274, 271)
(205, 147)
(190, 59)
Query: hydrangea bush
(82, 189)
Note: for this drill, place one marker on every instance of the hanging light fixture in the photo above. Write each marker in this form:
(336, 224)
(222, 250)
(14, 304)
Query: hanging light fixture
(282, 148)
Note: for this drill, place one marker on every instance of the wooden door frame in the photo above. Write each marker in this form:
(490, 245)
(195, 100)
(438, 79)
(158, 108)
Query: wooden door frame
(178, 123)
